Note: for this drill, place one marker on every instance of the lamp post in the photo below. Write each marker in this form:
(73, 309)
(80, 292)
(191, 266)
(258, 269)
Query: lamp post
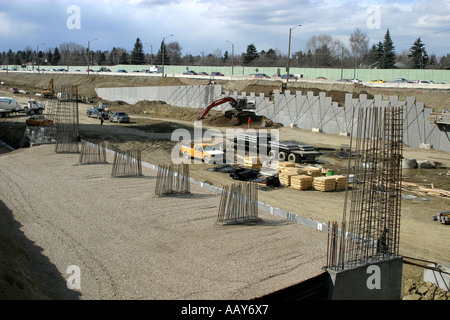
(151, 53)
(37, 55)
(88, 54)
(163, 48)
(289, 53)
(232, 57)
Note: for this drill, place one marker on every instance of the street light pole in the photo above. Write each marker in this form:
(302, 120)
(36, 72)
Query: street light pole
(88, 54)
(151, 53)
(232, 57)
(163, 48)
(289, 53)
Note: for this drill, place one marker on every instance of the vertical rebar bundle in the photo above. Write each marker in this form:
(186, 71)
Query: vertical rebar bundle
(127, 164)
(92, 153)
(238, 204)
(171, 179)
(67, 120)
(371, 224)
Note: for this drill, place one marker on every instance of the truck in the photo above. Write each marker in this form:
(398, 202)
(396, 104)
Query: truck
(8, 106)
(285, 150)
(209, 153)
(119, 117)
(34, 107)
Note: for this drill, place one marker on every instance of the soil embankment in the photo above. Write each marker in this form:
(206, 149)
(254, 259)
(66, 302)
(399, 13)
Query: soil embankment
(437, 100)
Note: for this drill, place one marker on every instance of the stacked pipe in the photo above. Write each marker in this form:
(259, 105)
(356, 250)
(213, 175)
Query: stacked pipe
(92, 153)
(172, 179)
(238, 203)
(67, 120)
(371, 223)
(127, 164)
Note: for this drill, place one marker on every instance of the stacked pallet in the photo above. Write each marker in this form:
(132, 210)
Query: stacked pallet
(286, 166)
(301, 182)
(252, 163)
(324, 184)
(285, 177)
(311, 171)
(341, 182)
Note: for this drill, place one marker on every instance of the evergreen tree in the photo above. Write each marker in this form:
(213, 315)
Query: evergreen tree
(271, 54)
(323, 56)
(251, 54)
(159, 60)
(418, 55)
(56, 57)
(124, 58)
(102, 59)
(137, 55)
(388, 58)
(49, 57)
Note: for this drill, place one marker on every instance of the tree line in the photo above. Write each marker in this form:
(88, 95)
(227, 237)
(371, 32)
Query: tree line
(321, 51)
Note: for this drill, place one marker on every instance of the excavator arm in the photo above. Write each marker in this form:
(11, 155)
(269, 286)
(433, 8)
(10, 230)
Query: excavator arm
(216, 103)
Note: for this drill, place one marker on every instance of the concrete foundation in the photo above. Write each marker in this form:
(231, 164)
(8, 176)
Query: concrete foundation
(380, 280)
(440, 279)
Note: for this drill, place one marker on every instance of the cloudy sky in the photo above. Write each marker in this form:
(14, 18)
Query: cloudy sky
(204, 26)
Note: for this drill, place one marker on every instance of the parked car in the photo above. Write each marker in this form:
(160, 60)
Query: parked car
(13, 90)
(260, 75)
(321, 78)
(291, 76)
(216, 74)
(190, 72)
(377, 81)
(202, 73)
(402, 80)
(97, 113)
(355, 80)
(122, 71)
(119, 117)
(426, 81)
(276, 76)
(38, 121)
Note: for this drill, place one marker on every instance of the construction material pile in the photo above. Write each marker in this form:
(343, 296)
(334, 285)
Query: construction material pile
(305, 178)
(252, 163)
(301, 182)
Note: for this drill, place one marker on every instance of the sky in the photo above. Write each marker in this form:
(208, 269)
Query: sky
(209, 26)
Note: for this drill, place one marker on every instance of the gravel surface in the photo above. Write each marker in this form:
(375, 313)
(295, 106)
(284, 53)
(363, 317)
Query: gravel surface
(130, 244)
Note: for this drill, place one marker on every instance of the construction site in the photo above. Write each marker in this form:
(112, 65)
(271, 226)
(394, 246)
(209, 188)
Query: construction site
(324, 192)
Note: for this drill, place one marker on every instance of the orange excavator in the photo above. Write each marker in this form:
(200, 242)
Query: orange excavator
(239, 104)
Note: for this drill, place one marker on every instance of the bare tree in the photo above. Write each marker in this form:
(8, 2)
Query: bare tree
(359, 44)
(174, 52)
(323, 50)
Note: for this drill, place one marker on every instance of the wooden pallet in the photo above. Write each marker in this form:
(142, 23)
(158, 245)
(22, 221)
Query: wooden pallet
(324, 184)
(301, 182)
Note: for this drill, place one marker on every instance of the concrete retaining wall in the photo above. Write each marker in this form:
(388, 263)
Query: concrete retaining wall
(305, 110)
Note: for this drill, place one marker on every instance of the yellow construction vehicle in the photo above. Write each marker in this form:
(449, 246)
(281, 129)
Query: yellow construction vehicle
(49, 91)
